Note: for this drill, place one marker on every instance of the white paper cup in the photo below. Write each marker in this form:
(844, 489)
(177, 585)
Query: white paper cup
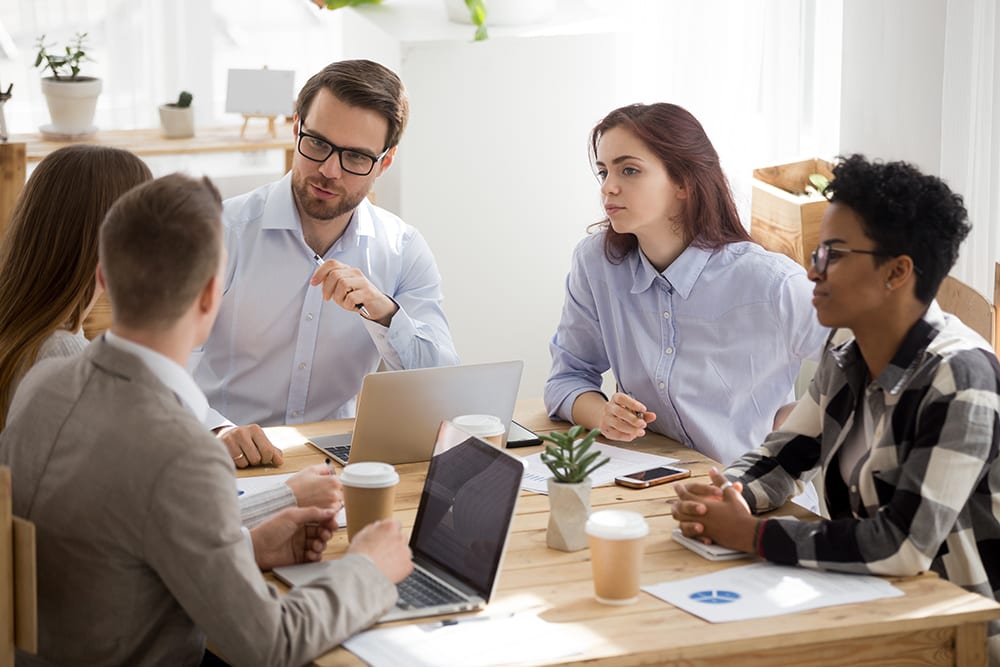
(487, 427)
(616, 544)
(369, 493)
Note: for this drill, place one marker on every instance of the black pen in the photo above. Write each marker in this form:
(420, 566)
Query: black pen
(638, 413)
(364, 311)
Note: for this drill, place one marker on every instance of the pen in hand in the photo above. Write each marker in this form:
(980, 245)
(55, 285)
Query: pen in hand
(361, 307)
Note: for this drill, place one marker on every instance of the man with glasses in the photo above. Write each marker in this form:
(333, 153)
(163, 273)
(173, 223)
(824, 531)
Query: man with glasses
(321, 285)
(902, 421)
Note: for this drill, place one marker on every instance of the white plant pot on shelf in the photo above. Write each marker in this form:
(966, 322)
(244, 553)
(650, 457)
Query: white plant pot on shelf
(177, 122)
(504, 12)
(72, 104)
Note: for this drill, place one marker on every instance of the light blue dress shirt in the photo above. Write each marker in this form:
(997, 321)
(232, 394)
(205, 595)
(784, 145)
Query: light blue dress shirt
(278, 353)
(712, 345)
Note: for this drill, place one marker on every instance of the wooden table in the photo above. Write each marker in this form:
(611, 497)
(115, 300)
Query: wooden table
(935, 623)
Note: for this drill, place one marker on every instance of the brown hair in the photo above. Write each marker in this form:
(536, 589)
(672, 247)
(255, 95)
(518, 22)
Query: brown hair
(48, 256)
(160, 245)
(364, 84)
(709, 219)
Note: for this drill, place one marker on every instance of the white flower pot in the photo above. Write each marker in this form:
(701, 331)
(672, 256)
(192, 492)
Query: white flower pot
(177, 122)
(569, 508)
(504, 12)
(72, 103)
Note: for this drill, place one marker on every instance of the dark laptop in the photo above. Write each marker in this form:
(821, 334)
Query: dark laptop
(461, 529)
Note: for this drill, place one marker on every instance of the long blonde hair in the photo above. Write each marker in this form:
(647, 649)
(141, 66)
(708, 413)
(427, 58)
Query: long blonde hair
(48, 256)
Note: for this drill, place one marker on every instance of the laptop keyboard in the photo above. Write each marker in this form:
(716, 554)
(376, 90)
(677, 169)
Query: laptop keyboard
(419, 590)
(340, 452)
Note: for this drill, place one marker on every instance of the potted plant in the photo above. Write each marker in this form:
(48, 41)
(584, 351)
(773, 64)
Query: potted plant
(71, 98)
(177, 118)
(467, 11)
(569, 458)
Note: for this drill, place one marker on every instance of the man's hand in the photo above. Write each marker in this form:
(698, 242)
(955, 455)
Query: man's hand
(317, 486)
(293, 535)
(624, 418)
(349, 288)
(249, 446)
(715, 513)
(384, 542)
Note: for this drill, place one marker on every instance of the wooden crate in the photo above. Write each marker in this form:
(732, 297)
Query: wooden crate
(783, 217)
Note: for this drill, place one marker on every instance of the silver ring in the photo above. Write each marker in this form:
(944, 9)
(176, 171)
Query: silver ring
(241, 456)
(726, 485)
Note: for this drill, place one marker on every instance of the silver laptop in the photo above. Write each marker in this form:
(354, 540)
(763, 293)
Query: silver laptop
(461, 530)
(399, 411)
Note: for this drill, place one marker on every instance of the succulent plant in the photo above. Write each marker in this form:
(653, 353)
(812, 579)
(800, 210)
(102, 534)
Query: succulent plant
(184, 100)
(569, 456)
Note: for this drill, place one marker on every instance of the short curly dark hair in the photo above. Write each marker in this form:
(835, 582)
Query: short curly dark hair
(906, 213)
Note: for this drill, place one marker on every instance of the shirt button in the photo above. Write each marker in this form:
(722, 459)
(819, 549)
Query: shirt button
(302, 366)
(669, 350)
(662, 385)
(666, 315)
(854, 489)
(309, 317)
(297, 413)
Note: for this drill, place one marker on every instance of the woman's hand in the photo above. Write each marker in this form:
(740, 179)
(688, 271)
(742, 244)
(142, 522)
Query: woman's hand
(624, 418)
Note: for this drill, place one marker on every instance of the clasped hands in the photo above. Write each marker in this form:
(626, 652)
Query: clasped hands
(715, 513)
(350, 289)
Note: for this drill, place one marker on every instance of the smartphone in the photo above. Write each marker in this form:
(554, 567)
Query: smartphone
(518, 436)
(652, 477)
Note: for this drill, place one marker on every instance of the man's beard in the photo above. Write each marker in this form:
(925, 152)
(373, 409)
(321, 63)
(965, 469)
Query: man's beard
(319, 209)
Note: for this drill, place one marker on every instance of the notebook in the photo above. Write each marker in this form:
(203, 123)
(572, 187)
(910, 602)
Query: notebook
(460, 533)
(399, 411)
(709, 551)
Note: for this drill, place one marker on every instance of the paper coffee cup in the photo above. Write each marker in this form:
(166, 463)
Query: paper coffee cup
(616, 544)
(487, 427)
(369, 493)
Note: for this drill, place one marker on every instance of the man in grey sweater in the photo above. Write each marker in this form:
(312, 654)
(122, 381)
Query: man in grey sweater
(140, 551)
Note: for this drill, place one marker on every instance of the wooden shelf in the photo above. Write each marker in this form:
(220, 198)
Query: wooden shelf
(28, 148)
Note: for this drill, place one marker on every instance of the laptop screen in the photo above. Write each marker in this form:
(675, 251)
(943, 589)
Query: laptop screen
(466, 508)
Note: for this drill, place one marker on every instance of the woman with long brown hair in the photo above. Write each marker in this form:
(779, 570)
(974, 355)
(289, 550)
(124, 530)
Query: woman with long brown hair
(48, 256)
(703, 329)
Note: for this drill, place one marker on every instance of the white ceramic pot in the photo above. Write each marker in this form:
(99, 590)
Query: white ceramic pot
(504, 12)
(569, 508)
(72, 104)
(177, 122)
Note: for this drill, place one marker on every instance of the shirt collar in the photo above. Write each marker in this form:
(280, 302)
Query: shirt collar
(905, 361)
(682, 274)
(167, 371)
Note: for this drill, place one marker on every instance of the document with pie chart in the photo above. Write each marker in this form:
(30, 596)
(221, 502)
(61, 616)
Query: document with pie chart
(764, 589)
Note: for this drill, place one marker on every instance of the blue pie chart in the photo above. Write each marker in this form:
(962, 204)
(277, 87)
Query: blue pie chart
(715, 597)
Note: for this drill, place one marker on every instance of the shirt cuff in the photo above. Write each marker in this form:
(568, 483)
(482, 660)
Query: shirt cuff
(214, 420)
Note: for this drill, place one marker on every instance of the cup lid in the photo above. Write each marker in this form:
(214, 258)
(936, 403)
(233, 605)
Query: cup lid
(483, 426)
(369, 475)
(617, 525)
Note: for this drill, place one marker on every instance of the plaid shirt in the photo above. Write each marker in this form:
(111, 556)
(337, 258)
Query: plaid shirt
(926, 494)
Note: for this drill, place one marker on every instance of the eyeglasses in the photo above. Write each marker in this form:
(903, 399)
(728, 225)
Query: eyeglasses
(352, 160)
(825, 250)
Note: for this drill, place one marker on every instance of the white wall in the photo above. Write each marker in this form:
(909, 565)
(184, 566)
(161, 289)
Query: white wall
(893, 70)
(921, 83)
(493, 168)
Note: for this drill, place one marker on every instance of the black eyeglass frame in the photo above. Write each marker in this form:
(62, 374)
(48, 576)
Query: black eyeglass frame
(339, 151)
(827, 246)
